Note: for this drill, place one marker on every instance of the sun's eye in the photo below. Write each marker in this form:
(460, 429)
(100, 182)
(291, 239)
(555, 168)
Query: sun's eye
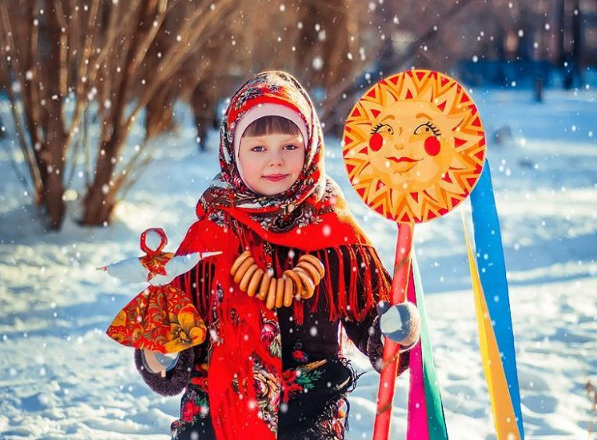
(428, 128)
(382, 128)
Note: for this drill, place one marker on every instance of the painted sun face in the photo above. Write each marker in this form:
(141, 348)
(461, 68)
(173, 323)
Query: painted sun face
(411, 145)
(414, 146)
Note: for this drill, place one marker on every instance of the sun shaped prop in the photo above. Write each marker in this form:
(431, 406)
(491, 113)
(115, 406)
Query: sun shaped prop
(414, 146)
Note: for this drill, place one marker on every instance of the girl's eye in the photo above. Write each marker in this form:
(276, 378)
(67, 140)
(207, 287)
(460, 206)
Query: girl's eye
(291, 147)
(258, 149)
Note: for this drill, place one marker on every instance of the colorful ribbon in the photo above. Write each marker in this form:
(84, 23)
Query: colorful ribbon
(490, 288)
(426, 419)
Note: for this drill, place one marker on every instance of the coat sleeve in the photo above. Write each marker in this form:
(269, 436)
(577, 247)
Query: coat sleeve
(176, 379)
(366, 333)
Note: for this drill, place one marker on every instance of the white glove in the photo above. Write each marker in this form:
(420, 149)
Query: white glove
(401, 322)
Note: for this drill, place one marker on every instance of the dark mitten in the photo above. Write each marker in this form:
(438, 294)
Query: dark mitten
(375, 349)
(176, 379)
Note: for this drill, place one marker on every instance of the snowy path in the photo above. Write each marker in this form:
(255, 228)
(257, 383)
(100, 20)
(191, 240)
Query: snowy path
(61, 377)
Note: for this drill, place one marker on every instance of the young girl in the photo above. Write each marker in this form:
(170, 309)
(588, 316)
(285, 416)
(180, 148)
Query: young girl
(270, 370)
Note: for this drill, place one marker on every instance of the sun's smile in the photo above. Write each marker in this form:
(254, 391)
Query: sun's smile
(401, 164)
(402, 159)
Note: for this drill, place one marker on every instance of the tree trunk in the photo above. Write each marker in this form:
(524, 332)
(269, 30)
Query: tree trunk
(562, 32)
(203, 104)
(51, 163)
(577, 42)
(100, 199)
(54, 147)
(98, 207)
(54, 190)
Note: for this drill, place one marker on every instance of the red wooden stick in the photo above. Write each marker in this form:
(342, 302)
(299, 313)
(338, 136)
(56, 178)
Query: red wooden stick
(391, 355)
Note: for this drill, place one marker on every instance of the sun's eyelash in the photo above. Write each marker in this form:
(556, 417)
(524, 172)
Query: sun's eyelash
(380, 125)
(376, 128)
(434, 129)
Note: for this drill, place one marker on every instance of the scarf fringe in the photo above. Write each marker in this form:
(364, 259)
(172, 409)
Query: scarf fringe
(350, 289)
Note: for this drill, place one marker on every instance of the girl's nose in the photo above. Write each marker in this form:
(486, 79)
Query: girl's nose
(276, 159)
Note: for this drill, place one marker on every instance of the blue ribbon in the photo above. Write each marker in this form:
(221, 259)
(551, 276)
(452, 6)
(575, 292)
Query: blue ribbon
(492, 271)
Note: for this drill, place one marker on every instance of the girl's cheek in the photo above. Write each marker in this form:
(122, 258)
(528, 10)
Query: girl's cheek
(432, 146)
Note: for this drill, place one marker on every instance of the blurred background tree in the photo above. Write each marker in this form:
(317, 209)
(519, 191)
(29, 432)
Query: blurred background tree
(73, 63)
(80, 74)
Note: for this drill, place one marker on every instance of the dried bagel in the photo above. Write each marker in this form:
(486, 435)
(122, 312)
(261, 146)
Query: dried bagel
(298, 283)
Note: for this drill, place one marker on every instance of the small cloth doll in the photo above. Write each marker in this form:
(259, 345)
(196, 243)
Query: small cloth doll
(161, 318)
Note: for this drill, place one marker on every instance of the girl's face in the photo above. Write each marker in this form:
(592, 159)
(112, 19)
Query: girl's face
(271, 163)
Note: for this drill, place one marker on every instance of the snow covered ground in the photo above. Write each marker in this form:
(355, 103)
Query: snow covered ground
(62, 377)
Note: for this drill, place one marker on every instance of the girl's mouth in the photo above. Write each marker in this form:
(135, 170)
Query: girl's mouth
(275, 177)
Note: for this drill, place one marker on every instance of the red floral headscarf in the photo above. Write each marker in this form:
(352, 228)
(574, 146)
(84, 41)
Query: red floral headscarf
(282, 89)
